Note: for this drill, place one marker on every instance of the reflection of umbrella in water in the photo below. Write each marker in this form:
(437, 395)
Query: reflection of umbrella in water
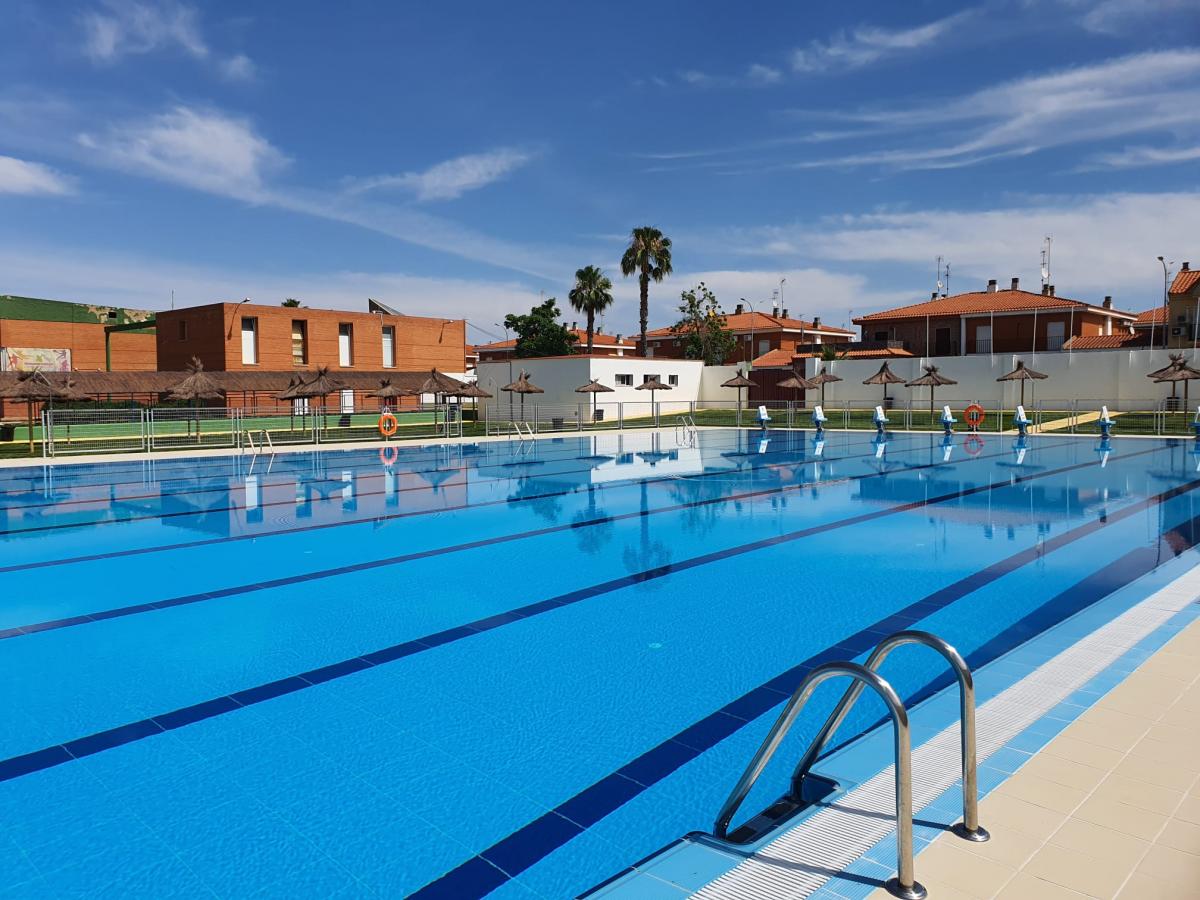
(1022, 374)
(650, 556)
(197, 385)
(522, 386)
(33, 387)
(593, 527)
(931, 379)
(823, 379)
(884, 376)
(593, 387)
(739, 381)
(437, 477)
(654, 457)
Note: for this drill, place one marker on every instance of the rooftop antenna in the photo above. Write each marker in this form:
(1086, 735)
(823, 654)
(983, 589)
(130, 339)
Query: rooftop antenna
(1046, 262)
(947, 293)
(775, 302)
(938, 283)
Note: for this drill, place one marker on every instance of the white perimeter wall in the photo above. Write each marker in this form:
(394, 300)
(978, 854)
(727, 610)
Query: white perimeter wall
(1113, 377)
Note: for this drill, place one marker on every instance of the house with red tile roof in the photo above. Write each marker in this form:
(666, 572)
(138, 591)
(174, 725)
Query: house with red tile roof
(1183, 307)
(602, 345)
(756, 333)
(993, 321)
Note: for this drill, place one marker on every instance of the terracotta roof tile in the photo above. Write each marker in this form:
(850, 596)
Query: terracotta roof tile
(1185, 280)
(981, 302)
(761, 322)
(1155, 316)
(598, 339)
(1107, 341)
(783, 359)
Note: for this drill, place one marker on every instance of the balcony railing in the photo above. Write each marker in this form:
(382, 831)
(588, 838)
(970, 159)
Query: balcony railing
(983, 345)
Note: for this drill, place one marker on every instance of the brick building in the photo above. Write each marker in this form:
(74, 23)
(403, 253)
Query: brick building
(54, 335)
(602, 345)
(993, 321)
(756, 333)
(1183, 307)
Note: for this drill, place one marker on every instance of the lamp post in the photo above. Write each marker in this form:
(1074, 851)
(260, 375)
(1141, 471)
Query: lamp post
(1166, 306)
(753, 315)
(233, 315)
(511, 351)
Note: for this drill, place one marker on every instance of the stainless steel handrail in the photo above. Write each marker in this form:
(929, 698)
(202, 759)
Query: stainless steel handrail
(970, 828)
(904, 884)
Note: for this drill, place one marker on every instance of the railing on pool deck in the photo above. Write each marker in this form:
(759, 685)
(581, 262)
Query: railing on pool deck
(904, 884)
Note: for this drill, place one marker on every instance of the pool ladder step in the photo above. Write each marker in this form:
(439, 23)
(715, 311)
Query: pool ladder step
(807, 788)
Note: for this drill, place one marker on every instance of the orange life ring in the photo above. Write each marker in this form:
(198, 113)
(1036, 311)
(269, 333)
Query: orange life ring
(973, 444)
(388, 455)
(974, 415)
(388, 425)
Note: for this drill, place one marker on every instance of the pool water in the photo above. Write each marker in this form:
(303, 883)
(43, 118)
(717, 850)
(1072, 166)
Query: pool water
(498, 667)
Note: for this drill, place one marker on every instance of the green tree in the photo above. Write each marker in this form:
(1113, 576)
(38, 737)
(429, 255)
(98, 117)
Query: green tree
(592, 294)
(541, 333)
(701, 327)
(291, 302)
(831, 352)
(649, 255)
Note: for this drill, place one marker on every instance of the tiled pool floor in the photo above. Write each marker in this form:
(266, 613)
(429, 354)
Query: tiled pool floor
(1108, 808)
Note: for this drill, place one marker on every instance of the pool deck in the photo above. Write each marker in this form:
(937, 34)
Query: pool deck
(1108, 808)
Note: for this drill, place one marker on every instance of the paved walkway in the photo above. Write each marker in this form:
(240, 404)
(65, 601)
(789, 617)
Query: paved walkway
(1109, 808)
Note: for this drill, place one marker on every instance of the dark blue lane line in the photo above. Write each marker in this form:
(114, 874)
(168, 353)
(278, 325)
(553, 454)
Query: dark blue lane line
(37, 760)
(528, 845)
(376, 519)
(16, 631)
(58, 526)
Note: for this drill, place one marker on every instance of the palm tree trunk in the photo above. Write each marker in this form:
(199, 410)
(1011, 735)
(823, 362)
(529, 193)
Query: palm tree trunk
(644, 308)
(591, 325)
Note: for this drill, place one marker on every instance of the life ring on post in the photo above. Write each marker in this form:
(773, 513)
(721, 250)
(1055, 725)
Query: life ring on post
(388, 455)
(974, 415)
(388, 425)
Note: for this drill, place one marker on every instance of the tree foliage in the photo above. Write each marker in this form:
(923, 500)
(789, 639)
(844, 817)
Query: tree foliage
(592, 294)
(291, 302)
(540, 333)
(649, 256)
(701, 327)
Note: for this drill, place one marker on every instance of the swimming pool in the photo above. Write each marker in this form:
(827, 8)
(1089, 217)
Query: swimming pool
(498, 667)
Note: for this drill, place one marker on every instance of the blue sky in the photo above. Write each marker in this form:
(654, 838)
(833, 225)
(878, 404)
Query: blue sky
(460, 159)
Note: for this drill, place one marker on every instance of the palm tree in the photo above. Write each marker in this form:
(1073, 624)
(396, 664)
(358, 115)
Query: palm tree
(648, 254)
(592, 294)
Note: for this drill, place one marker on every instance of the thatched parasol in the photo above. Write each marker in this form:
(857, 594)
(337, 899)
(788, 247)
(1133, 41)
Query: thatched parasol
(437, 383)
(823, 379)
(931, 379)
(739, 381)
(1176, 360)
(33, 387)
(652, 385)
(1022, 374)
(1175, 373)
(796, 382)
(522, 386)
(476, 393)
(321, 386)
(389, 391)
(594, 387)
(885, 376)
(196, 385)
(289, 394)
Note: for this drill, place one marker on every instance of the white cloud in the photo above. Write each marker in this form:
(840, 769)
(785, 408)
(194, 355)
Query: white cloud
(1132, 157)
(1115, 17)
(18, 176)
(760, 74)
(453, 177)
(203, 149)
(867, 45)
(238, 68)
(1144, 93)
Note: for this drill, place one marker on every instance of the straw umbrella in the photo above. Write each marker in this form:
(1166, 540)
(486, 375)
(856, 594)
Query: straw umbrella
(594, 387)
(653, 385)
(437, 383)
(1177, 373)
(823, 379)
(389, 391)
(1176, 360)
(32, 387)
(739, 381)
(885, 376)
(476, 393)
(289, 394)
(196, 385)
(522, 386)
(931, 379)
(321, 386)
(1022, 374)
(796, 382)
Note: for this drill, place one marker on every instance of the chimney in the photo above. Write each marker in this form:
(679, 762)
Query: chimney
(783, 313)
(1050, 290)
(739, 309)
(816, 321)
(991, 288)
(574, 326)
(1045, 289)
(1185, 267)
(933, 295)
(1016, 284)
(618, 337)
(1108, 302)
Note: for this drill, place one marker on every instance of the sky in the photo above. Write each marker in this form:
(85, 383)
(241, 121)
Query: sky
(465, 159)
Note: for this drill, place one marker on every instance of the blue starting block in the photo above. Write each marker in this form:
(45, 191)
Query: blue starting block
(819, 419)
(763, 418)
(880, 421)
(1196, 423)
(1105, 422)
(948, 420)
(1021, 421)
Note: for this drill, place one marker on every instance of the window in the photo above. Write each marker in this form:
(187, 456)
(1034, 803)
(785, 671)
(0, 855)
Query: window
(983, 339)
(347, 399)
(249, 341)
(673, 380)
(881, 335)
(299, 342)
(1055, 335)
(624, 381)
(764, 345)
(646, 378)
(183, 329)
(389, 346)
(345, 344)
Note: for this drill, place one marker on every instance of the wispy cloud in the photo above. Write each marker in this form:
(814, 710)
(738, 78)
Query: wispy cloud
(1135, 157)
(1115, 17)
(867, 45)
(1140, 94)
(760, 74)
(452, 178)
(19, 176)
(115, 29)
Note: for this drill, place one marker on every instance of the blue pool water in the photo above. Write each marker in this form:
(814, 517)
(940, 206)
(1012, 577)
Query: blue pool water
(497, 668)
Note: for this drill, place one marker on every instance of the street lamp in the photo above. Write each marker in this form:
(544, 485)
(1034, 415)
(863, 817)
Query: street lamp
(510, 351)
(233, 315)
(753, 316)
(1166, 307)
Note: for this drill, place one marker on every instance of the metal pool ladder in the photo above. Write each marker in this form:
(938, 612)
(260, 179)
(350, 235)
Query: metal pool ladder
(904, 885)
(685, 428)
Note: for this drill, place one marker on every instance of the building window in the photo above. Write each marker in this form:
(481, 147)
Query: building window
(1055, 335)
(881, 335)
(183, 329)
(345, 344)
(389, 346)
(299, 342)
(647, 378)
(764, 345)
(624, 381)
(249, 341)
(673, 380)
